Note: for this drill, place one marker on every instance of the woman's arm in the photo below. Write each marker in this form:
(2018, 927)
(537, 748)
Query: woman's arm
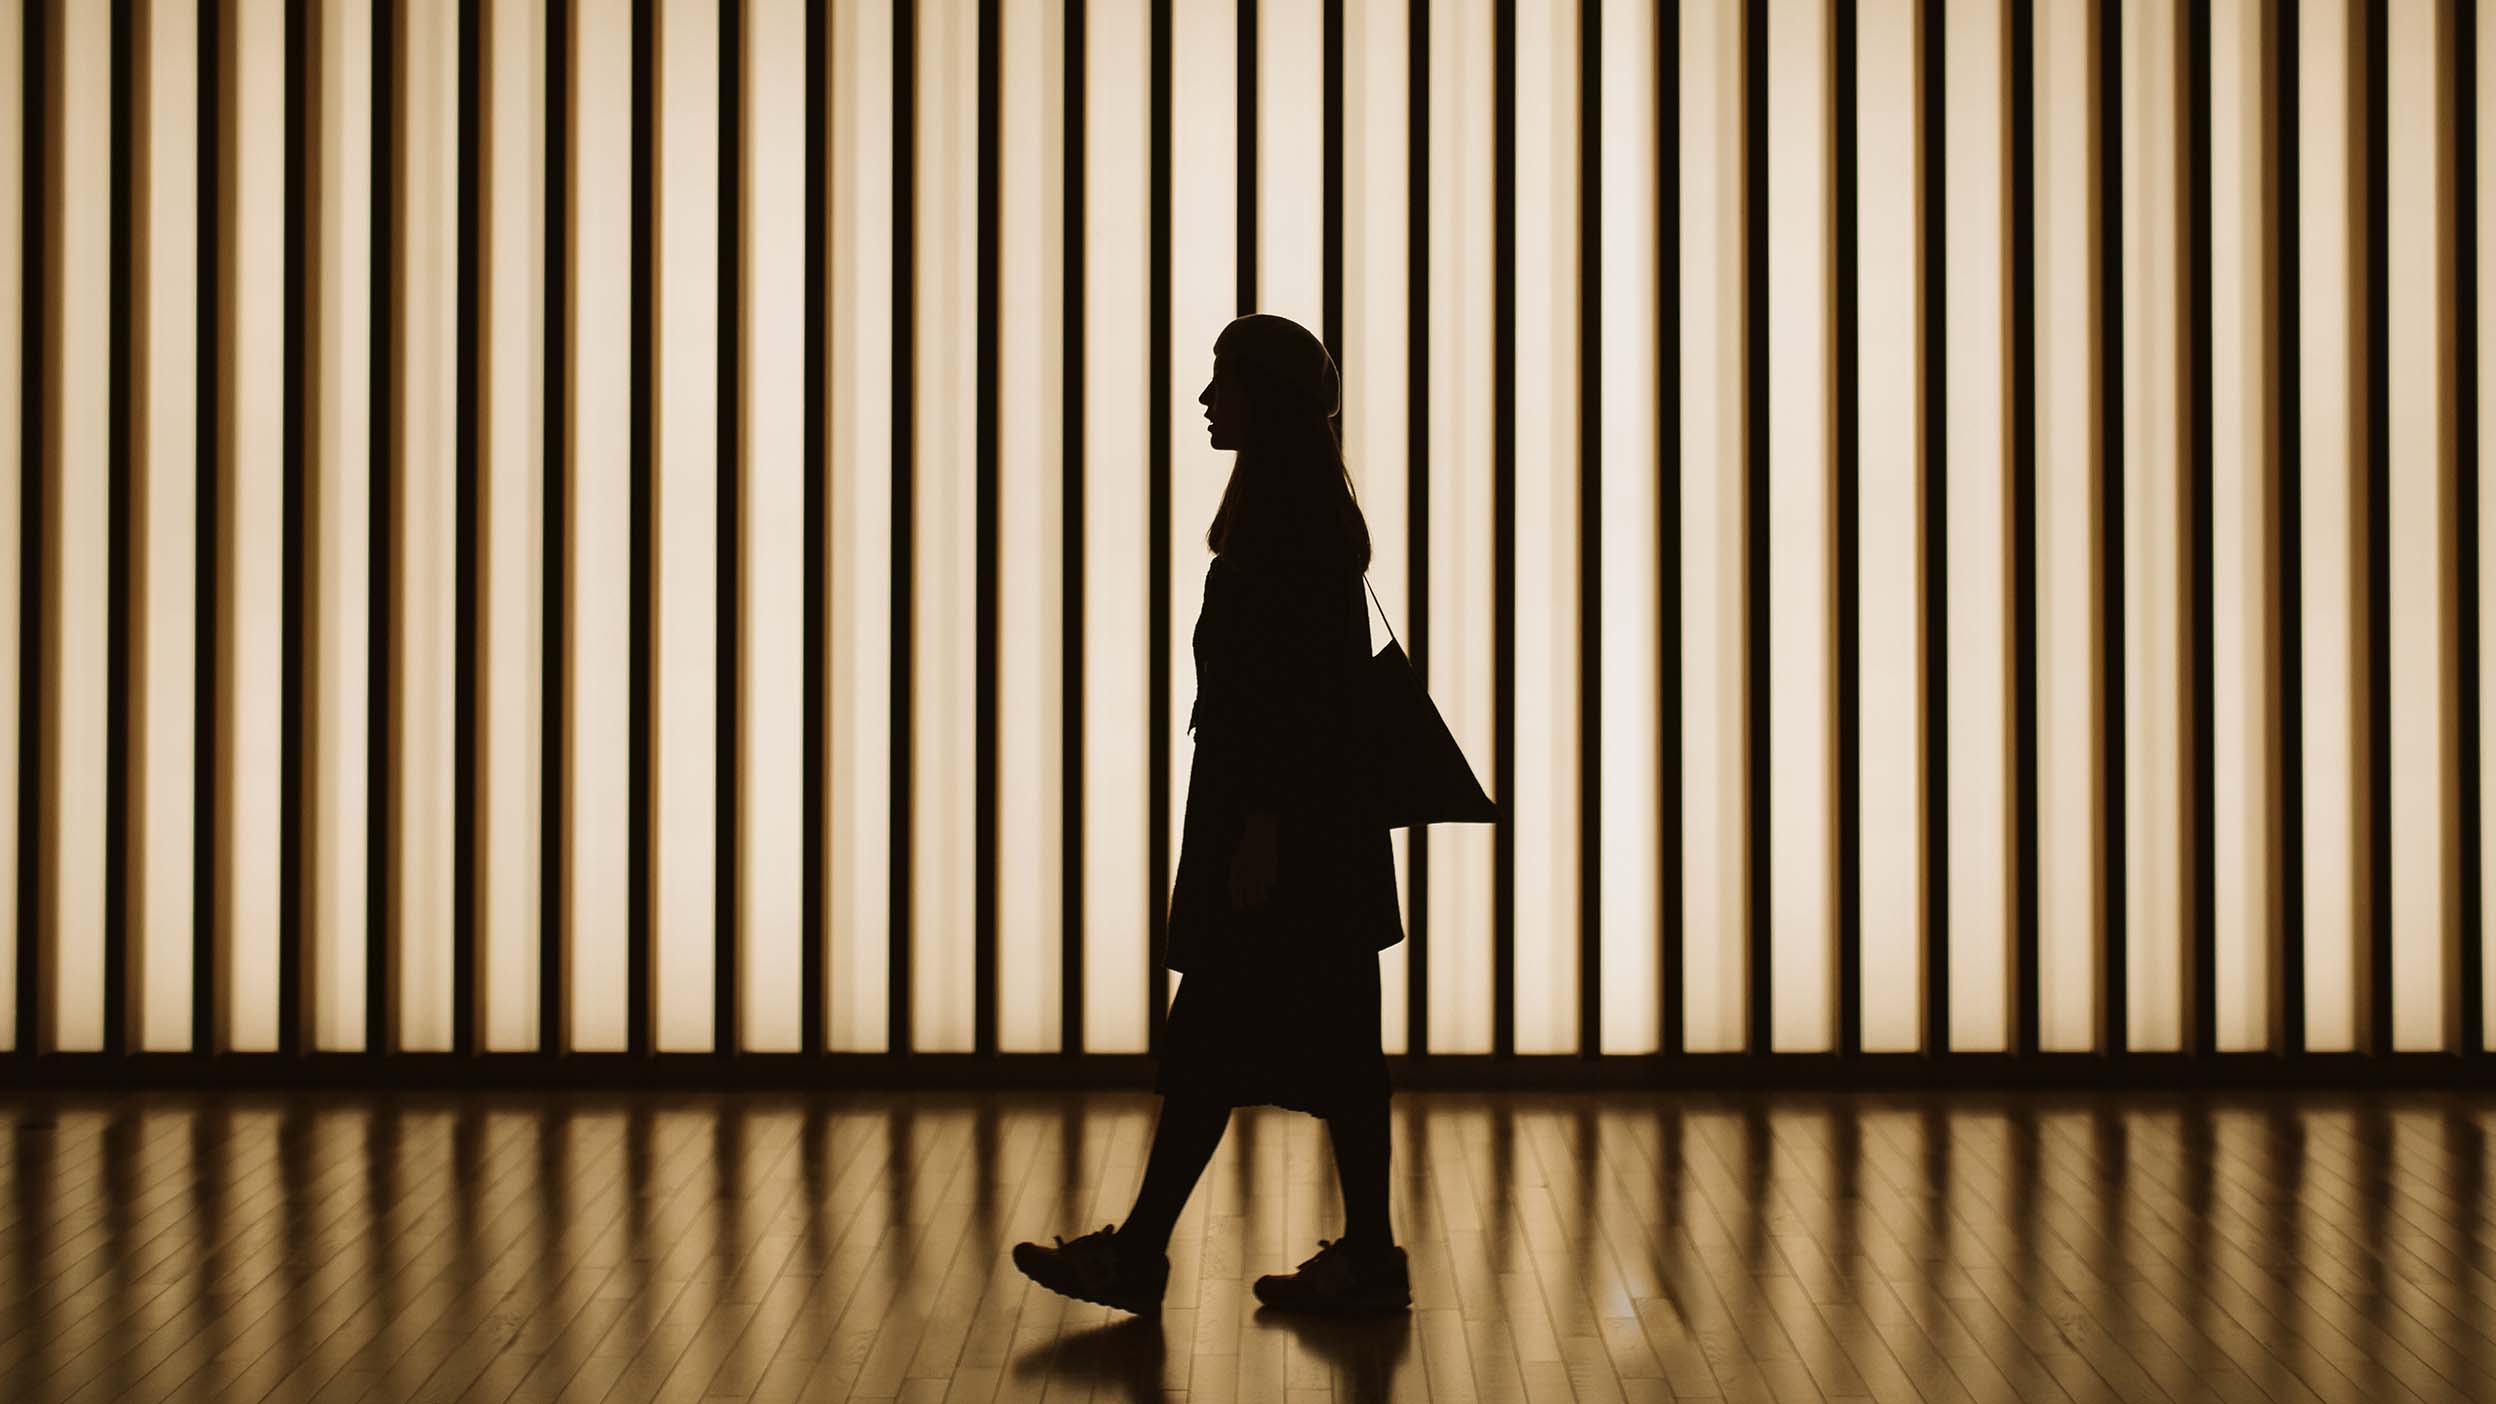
(1290, 681)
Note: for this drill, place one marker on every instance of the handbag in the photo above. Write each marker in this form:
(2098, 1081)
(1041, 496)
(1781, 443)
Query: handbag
(1414, 772)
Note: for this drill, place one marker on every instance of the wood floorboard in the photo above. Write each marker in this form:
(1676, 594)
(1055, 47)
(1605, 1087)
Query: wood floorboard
(1586, 1248)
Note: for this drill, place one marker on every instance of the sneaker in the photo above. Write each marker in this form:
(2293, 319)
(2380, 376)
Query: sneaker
(1095, 1267)
(1341, 1277)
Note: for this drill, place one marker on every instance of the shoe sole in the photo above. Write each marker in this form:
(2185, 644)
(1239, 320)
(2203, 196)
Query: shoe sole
(1355, 1307)
(1152, 1308)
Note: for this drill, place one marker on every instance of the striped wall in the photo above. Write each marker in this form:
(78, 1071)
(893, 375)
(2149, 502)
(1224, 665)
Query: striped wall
(675, 525)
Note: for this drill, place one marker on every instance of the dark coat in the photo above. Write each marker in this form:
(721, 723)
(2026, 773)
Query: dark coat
(1278, 651)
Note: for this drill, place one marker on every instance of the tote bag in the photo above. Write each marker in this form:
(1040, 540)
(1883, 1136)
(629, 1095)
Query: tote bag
(1415, 772)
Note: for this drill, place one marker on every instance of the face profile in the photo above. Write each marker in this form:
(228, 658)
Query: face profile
(1225, 399)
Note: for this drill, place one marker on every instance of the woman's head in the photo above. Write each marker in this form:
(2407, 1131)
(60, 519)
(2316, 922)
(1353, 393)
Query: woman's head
(1275, 397)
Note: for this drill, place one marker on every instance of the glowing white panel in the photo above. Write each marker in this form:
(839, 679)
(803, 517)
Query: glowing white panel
(2153, 505)
(2242, 573)
(1460, 510)
(945, 477)
(2068, 636)
(2423, 876)
(1975, 207)
(254, 540)
(341, 520)
(1375, 362)
(1030, 527)
(2475, 185)
(600, 496)
(1116, 693)
(772, 827)
(1802, 641)
(1631, 741)
(76, 541)
(512, 520)
(1204, 266)
(168, 462)
(861, 526)
(685, 526)
(13, 303)
(1546, 536)
(1291, 154)
(2328, 547)
(1714, 743)
(1889, 525)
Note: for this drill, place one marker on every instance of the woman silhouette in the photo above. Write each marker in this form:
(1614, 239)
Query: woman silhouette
(1285, 891)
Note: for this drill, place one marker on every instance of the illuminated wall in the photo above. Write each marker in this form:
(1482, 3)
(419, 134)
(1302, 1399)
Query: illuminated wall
(666, 525)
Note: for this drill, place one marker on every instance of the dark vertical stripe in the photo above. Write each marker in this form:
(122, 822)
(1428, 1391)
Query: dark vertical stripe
(2464, 187)
(1330, 200)
(2024, 600)
(1503, 525)
(124, 989)
(1849, 467)
(2288, 967)
(2113, 1013)
(1157, 549)
(2374, 75)
(297, 981)
(1070, 924)
(381, 1022)
(38, 379)
(814, 930)
(467, 974)
(1935, 370)
(904, 513)
(1668, 856)
(1417, 487)
(1590, 527)
(984, 448)
(728, 883)
(1247, 172)
(1759, 982)
(2200, 974)
(554, 840)
(640, 928)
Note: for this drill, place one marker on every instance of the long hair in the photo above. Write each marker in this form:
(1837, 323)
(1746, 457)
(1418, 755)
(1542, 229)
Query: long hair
(1289, 500)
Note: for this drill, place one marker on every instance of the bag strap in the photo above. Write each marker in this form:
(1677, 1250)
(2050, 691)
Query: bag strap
(1382, 610)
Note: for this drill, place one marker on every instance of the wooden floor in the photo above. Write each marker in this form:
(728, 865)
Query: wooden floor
(1589, 1247)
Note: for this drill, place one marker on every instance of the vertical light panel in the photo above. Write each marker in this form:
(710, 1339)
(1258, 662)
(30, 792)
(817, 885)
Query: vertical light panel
(1888, 523)
(1977, 296)
(2068, 635)
(14, 303)
(1030, 528)
(1375, 362)
(255, 535)
(1544, 813)
(1204, 296)
(600, 496)
(2424, 876)
(341, 517)
(1460, 508)
(1631, 741)
(945, 556)
(2328, 545)
(1291, 113)
(2473, 185)
(2153, 500)
(686, 525)
(2242, 573)
(167, 457)
(1116, 693)
(511, 518)
(772, 596)
(1801, 504)
(859, 827)
(1714, 737)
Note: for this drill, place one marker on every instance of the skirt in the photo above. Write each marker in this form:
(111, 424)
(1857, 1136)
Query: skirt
(1289, 1020)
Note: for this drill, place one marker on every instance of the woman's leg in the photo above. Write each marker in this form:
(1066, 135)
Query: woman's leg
(1360, 1140)
(1183, 1141)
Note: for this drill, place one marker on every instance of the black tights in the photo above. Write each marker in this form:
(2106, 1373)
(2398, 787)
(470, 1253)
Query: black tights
(1184, 1140)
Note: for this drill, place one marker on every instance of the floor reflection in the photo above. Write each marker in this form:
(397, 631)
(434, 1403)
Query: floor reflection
(500, 1249)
